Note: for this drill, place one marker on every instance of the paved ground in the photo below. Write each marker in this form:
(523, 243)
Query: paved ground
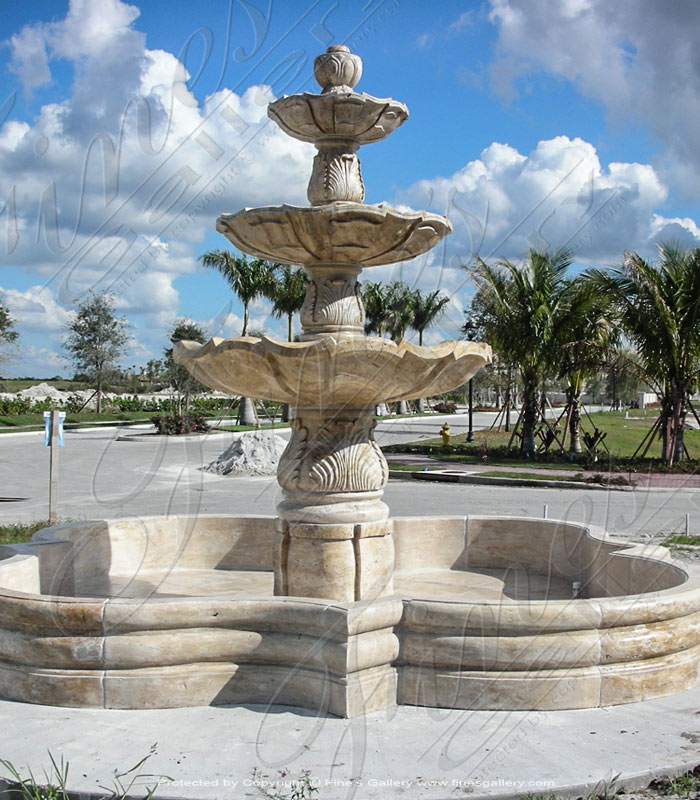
(401, 753)
(404, 753)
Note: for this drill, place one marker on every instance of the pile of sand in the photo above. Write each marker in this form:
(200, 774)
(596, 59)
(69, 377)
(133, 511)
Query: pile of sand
(42, 391)
(252, 453)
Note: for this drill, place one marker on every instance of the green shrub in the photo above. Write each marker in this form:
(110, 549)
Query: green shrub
(445, 408)
(179, 424)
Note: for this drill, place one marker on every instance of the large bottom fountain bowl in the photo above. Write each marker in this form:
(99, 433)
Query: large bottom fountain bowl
(179, 611)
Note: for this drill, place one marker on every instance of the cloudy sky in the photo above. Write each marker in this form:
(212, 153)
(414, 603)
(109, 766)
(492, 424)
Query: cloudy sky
(125, 130)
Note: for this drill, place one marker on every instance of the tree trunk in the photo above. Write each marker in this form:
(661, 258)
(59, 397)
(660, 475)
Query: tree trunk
(574, 401)
(420, 404)
(98, 396)
(529, 418)
(286, 412)
(675, 407)
(403, 407)
(246, 412)
(509, 400)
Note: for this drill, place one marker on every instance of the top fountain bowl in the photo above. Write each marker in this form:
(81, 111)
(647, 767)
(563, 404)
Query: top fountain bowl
(336, 233)
(353, 116)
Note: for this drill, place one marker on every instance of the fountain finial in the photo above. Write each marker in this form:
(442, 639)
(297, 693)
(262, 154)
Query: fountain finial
(337, 70)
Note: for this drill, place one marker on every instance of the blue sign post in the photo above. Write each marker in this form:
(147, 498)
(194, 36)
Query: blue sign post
(53, 438)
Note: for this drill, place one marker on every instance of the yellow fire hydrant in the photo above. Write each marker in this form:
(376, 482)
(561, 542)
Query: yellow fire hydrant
(445, 433)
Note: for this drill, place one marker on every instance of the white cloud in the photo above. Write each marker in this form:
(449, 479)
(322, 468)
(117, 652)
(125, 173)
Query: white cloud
(506, 202)
(115, 186)
(36, 309)
(29, 61)
(639, 61)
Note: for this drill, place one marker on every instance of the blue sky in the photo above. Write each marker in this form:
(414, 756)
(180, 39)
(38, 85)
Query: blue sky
(126, 129)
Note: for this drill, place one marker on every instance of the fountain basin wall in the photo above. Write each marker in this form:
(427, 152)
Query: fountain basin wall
(164, 612)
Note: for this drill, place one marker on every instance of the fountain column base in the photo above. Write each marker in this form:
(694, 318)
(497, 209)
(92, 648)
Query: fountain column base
(343, 562)
(334, 535)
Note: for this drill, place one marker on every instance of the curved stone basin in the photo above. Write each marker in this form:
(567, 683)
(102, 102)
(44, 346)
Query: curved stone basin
(353, 115)
(163, 612)
(341, 232)
(300, 372)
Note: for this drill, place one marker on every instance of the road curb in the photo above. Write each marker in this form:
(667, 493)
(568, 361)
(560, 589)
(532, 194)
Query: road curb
(475, 478)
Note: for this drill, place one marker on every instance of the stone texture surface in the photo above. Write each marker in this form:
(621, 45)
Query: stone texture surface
(337, 371)
(204, 627)
(338, 233)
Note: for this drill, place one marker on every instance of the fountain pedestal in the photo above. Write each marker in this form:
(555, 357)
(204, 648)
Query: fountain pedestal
(334, 535)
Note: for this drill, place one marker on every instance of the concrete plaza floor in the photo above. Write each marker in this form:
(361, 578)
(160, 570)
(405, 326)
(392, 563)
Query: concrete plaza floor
(405, 752)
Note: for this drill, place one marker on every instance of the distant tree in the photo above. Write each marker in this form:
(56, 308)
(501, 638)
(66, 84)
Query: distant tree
(178, 377)
(388, 308)
(249, 278)
(287, 292)
(400, 308)
(374, 300)
(658, 306)
(586, 337)
(153, 371)
(520, 310)
(427, 308)
(7, 324)
(8, 334)
(95, 340)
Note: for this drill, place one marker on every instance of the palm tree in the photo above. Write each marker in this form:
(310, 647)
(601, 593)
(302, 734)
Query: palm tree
(427, 308)
(586, 338)
(287, 294)
(520, 310)
(374, 300)
(399, 309)
(659, 310)
(249, 279)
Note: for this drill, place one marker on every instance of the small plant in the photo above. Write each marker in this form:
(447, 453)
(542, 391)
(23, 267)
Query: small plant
(606, 789)
(54, 785)
(179, 424)
(302, 788)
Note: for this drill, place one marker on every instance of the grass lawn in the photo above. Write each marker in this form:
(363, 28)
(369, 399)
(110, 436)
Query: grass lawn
(84, 417)
(623, 438)
(14, 533)
(530, 476)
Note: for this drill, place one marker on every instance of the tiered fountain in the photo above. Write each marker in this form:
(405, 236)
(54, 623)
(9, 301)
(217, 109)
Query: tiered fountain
(333, 605)
(335, 535)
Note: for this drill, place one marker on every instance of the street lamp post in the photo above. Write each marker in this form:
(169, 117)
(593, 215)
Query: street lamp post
(469, 330)
(470, 432)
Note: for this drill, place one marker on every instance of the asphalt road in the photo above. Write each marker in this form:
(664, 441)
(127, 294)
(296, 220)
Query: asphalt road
(102, 477)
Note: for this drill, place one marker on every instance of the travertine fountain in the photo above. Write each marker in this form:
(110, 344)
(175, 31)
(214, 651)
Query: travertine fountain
(334, 532)
(332, 605)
